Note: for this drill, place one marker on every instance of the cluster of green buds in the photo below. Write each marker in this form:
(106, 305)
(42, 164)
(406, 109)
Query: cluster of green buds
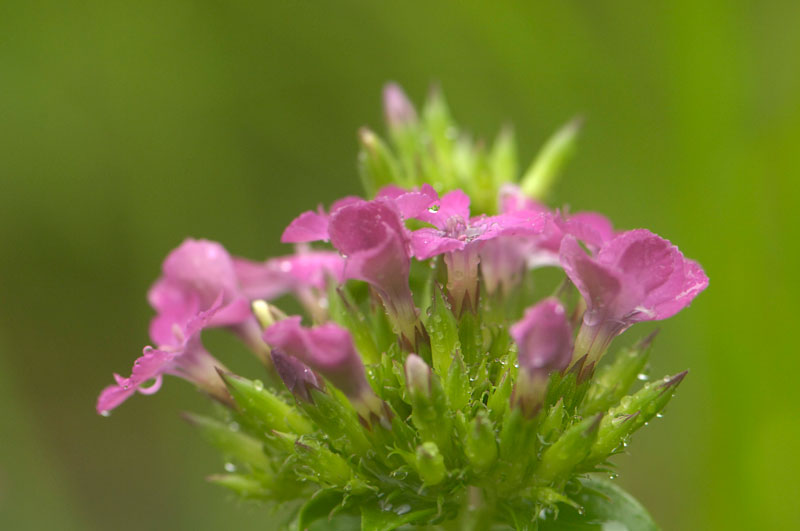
(447, 373)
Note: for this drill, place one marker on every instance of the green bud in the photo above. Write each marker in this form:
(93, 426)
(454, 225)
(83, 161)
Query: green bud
(614, 380)
(443, 332)
(377, 166)
(559, 460)
(479, 442)
(263, 408)
(631, 414)
(541, 175)
(429, 411)
(430, 464)
(418, 378)
(232, 442)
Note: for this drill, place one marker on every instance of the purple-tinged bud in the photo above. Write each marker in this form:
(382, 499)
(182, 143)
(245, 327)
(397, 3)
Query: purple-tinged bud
(329, 350)
(544, 343)
(543, 338)
(397, 109)
(296, 375)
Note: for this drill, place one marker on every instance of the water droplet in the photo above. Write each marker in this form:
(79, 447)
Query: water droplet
(642, 377)
(230, 467)
(147, 350)
(433, 209)
(612, 476)
(286, 266)
(105, 413)
(659, 416)
(258, 384)
(234, 426)
(403, 509)
(581, 511)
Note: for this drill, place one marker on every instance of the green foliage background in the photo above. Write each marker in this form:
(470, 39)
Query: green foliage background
(126, 126)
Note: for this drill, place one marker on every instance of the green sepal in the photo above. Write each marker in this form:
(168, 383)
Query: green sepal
(264, 408)
(337, 418)
(614, 380)
(324, 466)
(604, 506)
(343, 310)
(498, 402)
(376, 518)
(503, 161)
(574, 445)
(542, 174)
(377, 166)
(443, 332)
(244, 485)
(232, 442)
(457, 384)
(631, 414)
(552, 423)
(480, 442)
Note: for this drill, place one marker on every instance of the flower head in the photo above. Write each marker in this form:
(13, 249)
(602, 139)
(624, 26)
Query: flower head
(637, 276)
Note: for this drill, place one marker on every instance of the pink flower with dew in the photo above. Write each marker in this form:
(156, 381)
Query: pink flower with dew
(183, 356)
(312, 226)
(637, 276)
(544, 345)
(194, 275)
(460, 237)
(329, 350)
(375, 243)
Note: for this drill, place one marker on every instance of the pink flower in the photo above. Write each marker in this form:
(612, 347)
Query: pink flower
(304, 274)
(194, 275)
(183, 356)
(637, 276)
(329, 350)
(311, 226)
(460, 238)
(374, 241)
(591, 228)
(544, 343)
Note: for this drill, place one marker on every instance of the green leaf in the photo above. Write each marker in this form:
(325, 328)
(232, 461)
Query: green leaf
(606, 507)
(373, 518)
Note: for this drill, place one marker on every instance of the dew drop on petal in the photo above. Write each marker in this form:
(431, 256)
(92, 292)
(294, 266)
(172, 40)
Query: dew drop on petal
(433, 209)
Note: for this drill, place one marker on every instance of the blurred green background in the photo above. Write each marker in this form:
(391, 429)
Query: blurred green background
(127, 126)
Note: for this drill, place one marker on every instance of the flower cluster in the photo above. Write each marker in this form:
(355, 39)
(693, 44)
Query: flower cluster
(425, 384)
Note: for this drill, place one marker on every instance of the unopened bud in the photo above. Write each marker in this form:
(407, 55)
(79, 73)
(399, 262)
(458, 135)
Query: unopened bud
(430, 463)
